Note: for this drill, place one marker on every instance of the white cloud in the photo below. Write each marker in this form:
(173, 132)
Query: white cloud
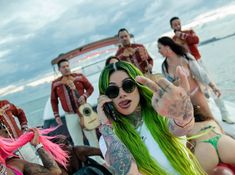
(45, 79)
(80, 26)
(4, 53)
(5, 40)
(214, 15)
(15, 38)
(116, 17)
(10, 90)
(35, 14)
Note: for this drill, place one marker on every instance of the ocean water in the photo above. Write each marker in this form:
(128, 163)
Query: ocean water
(34, 110)
(219, 58)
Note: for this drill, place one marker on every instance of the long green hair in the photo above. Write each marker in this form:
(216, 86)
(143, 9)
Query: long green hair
(178, 155)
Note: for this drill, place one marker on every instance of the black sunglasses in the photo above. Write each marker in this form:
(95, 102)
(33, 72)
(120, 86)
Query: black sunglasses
(128, 86)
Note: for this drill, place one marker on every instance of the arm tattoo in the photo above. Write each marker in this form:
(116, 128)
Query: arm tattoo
(177, 109)
(36, 169)
(47, 161)
(119, 157)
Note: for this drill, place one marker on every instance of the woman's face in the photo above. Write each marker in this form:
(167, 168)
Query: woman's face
(125, 103)
(162, 49)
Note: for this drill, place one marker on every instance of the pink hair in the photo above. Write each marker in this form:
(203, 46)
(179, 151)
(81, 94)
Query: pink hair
(9, 146)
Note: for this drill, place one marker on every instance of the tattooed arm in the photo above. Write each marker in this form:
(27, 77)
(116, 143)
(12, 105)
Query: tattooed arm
(50, 166)
(118, 156)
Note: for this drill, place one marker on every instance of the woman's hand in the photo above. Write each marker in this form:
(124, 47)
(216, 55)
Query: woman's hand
(100, 109)
(216, 91)
(169, 100)
(35, 141)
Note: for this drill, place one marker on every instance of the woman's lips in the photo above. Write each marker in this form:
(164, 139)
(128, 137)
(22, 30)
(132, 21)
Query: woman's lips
(124, 104)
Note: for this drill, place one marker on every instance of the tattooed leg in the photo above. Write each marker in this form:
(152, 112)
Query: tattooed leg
(119, 157)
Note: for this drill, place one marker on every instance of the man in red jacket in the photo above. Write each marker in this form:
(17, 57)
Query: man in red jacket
(186, 38)
(72, 90)
(189, 40)
(8, 112)
(134, 53)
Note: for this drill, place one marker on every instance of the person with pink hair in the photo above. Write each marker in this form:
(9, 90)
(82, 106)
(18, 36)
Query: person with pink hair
(8, 113)
(49, 152)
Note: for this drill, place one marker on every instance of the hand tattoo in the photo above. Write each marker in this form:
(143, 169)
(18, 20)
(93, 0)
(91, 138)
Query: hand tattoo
(184, 111)
(181, 109)
(47, 161)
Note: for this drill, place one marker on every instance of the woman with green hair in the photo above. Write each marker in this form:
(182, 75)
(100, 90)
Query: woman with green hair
(141, 122)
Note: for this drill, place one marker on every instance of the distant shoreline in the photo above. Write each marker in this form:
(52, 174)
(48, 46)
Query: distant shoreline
(214, 39)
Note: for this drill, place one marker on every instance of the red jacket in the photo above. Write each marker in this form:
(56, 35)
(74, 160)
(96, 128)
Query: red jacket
(7, 113)
(189, 40)
(58, 90)
(137, 55)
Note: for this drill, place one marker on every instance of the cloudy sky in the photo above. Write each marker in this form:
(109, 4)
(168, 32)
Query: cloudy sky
(32, 32)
